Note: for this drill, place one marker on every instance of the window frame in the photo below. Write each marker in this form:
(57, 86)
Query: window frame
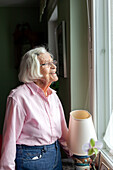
(102, 58)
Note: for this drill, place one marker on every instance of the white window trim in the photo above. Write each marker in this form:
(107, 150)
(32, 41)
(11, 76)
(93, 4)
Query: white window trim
(102, 57)
(101, 64)
(107, 157)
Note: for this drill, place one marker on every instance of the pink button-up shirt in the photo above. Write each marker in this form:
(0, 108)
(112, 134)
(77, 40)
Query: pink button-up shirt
(31, 119)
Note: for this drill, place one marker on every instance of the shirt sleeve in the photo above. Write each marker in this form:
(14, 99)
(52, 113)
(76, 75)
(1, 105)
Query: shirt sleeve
(63, 139)
(13, 124)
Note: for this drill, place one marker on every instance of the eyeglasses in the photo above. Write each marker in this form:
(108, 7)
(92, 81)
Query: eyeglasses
(49, 63)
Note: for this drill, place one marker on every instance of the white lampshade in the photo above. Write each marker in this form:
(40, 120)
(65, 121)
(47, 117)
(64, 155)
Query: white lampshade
(81, 130)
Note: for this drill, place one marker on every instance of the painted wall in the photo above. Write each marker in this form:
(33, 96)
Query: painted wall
(73, 89)
(79, 54)
(9, 18)
(64, 83)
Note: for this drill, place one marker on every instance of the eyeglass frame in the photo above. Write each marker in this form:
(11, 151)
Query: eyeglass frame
(49, 63)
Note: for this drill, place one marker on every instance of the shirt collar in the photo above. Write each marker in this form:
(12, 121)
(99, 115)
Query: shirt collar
(36, 89)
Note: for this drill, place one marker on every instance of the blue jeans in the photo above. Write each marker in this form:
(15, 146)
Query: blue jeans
(47, 157)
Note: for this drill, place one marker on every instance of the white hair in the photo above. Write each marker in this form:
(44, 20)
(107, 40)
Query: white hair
(30, 65)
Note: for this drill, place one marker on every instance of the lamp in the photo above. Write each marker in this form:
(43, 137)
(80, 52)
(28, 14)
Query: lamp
(81, 130)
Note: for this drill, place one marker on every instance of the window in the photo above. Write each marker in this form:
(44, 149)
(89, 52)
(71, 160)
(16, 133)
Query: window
(109, 131)
(103, 67)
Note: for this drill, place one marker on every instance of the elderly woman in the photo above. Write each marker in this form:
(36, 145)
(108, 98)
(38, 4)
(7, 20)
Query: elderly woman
(34, 123)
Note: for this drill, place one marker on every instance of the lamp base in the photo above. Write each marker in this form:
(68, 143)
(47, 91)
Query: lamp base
(82, 162)
(82, 167)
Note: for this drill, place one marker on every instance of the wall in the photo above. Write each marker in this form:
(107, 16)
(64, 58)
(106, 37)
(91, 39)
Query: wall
(64, 83)
(9, 18)
(79, 54)
(73, 89)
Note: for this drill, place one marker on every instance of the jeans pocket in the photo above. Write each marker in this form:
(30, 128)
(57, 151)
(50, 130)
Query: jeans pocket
(32, 155)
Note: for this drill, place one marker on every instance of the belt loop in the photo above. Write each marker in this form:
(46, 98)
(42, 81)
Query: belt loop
(45, 148)
(56, 144)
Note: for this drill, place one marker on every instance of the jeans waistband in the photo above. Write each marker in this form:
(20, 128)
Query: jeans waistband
(45, 147)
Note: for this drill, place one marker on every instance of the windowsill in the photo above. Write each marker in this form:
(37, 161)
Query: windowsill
(107, 157)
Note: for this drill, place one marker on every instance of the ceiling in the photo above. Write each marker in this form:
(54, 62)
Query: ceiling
(19, 3)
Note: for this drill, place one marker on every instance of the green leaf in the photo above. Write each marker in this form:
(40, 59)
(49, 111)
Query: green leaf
(90, 151)
(92, 142)
(96, 151)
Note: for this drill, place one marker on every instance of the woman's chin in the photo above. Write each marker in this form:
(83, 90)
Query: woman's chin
(55, 78)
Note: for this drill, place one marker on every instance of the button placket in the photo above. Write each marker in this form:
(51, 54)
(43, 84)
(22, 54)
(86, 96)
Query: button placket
(48, 110)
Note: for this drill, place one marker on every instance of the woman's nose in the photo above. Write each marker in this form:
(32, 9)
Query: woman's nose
(53, 65)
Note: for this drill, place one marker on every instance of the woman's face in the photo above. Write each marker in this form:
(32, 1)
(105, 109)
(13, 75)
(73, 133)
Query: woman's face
(49, 69)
